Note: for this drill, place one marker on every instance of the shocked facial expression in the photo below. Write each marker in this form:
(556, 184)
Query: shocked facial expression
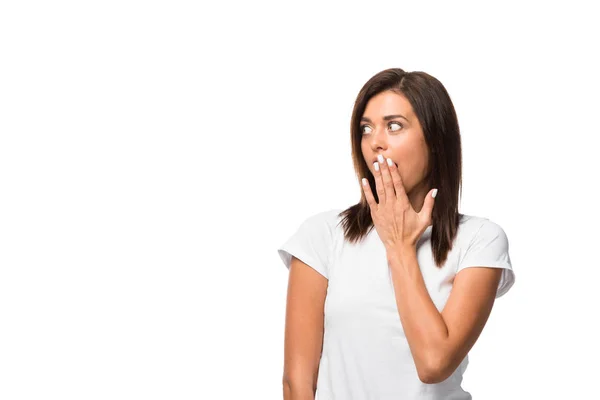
(390, 127)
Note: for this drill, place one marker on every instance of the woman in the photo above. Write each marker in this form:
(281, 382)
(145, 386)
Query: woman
(386, 298)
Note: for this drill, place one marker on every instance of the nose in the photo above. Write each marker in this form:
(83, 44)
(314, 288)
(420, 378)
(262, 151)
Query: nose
(378, 140)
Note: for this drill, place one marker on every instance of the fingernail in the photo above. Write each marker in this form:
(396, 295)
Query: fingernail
(380, 158)
(376, 165)
(390, 162)
(434, 193)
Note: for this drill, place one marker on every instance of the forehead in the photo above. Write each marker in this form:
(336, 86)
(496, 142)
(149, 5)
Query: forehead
(386, 103)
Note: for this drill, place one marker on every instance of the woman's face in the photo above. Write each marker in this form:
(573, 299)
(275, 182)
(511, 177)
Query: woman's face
(389, 127)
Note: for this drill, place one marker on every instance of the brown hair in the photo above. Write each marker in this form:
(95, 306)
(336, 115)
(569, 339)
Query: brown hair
(435, 112)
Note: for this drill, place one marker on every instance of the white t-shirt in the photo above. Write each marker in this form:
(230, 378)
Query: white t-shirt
(365, 352)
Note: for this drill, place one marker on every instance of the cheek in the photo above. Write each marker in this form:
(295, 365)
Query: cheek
(412, 158)
(366, 158)
(363, 150)
(409, 168)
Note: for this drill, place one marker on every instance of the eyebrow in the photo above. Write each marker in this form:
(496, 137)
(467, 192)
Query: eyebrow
(386, 118)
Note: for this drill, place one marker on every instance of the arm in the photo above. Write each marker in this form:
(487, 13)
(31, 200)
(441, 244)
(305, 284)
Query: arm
(440, 341)
(303, 331)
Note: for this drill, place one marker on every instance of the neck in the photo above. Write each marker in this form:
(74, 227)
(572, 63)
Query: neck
(417, 195)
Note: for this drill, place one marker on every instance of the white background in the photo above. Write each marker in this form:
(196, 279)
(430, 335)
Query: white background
(154, 155)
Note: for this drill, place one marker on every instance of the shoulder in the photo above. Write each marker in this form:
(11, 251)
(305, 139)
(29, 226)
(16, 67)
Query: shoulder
(484, 243)
(475, 230)
(472, 226)
(328, 219)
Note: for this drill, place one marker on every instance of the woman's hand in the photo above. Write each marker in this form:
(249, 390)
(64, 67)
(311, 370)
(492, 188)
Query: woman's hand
(397, 223)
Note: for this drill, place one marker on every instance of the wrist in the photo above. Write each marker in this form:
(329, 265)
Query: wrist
(400, 253)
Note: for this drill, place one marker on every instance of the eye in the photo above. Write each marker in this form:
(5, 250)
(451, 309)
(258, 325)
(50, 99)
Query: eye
(391, 123)
(396, 123)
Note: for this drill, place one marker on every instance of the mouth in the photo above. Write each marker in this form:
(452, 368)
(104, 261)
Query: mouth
(385, 160)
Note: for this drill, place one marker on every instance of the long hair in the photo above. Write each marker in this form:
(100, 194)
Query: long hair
(437, 116)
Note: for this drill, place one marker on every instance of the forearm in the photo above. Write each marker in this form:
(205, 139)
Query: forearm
(423, 325)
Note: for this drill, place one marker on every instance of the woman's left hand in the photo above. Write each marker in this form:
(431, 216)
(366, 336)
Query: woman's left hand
(397, 223)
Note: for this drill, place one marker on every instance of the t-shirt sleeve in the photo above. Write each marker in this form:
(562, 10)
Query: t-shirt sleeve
(311, 244)
(489, 248)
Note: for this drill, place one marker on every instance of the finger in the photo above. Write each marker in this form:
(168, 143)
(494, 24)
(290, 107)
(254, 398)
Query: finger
(388, 183)
(398, 184)
(427, 210)
(379, 183)
(368, 194)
